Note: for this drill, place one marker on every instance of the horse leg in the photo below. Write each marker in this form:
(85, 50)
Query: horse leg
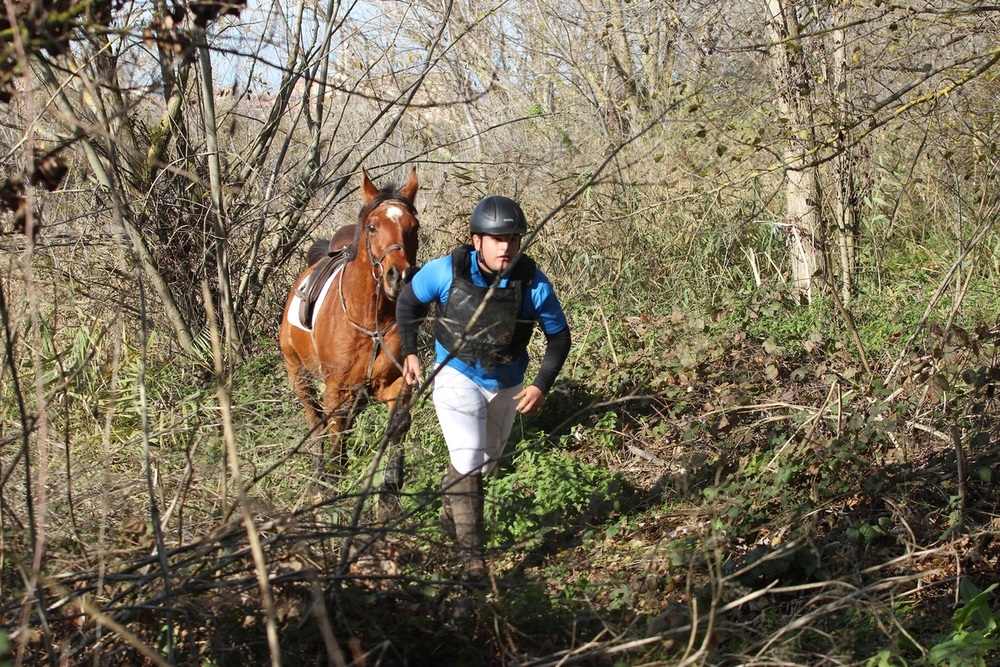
(304, 386)
(397, 399)
(340, 406)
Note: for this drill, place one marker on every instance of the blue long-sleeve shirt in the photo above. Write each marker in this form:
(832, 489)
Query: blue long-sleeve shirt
(432, 285)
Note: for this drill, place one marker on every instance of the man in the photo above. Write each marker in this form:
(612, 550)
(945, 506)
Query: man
(487, 307)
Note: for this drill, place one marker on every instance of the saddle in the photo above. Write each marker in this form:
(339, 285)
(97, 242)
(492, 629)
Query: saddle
(310, 289)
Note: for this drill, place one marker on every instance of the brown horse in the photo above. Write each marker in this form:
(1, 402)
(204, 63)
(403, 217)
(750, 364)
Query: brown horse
(353, 348)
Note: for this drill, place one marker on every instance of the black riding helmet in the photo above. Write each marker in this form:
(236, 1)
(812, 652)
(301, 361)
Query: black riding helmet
(498, 216)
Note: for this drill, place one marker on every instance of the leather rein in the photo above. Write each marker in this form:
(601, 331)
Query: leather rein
(377, 334)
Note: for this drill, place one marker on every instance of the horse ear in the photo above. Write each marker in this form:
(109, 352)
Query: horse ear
(410, 189)
(368, 189)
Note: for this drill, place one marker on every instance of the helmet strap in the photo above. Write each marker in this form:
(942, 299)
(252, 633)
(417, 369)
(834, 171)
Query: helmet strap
(489, 275)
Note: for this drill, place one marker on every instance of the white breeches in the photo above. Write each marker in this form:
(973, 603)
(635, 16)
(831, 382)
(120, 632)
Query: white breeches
(475, 422)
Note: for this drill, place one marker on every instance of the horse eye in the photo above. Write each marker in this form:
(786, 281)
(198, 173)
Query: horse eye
(371, 228)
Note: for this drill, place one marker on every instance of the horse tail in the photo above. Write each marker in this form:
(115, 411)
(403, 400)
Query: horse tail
(317, 251)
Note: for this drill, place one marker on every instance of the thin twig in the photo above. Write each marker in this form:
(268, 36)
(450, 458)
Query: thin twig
(229, 436)
(154, 508)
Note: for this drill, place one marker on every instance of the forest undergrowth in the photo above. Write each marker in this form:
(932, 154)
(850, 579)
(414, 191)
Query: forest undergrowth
(751, 483)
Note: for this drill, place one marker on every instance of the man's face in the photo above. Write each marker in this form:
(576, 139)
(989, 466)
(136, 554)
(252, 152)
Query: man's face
(497, 252)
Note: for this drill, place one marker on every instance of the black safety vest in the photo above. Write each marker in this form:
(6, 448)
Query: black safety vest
(500, 332)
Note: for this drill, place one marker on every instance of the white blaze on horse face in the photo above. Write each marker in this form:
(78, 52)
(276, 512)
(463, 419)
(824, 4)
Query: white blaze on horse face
(394, 212)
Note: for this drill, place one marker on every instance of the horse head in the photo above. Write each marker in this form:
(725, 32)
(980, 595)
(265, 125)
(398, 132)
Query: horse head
(387, 232)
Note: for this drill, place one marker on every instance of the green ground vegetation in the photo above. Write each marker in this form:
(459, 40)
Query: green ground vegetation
(721, 476)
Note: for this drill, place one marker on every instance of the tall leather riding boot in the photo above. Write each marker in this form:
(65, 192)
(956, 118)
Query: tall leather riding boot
(445, 519)
(465, 497)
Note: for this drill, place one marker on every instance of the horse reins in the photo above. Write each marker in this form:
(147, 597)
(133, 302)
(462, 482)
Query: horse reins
(377, 335)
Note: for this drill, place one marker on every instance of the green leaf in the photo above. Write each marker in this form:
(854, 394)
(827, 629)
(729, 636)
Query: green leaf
(976, 608)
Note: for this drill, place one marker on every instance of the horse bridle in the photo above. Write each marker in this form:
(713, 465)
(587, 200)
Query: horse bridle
(371, 256)
(377, 335)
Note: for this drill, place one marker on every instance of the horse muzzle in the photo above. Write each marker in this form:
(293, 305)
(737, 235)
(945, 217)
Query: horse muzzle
(392, 282)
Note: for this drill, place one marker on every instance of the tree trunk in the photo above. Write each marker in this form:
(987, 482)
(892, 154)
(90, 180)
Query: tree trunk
(802, 192)
(806, 234)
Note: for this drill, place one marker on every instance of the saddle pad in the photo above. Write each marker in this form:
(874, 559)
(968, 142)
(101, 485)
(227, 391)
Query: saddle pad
(309, 297)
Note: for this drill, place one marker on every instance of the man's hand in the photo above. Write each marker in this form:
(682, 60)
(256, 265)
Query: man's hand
(411, 370)
(530, 399)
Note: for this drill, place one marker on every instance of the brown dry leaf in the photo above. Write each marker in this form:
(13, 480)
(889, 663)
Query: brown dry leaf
(134, 525)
